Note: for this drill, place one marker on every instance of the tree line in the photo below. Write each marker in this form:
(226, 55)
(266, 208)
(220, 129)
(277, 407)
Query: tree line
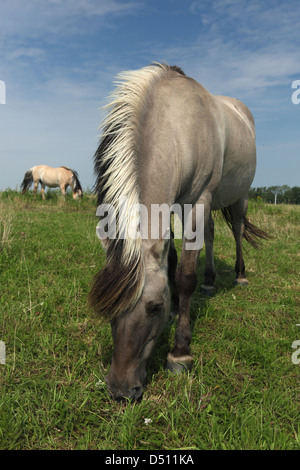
(276, 194)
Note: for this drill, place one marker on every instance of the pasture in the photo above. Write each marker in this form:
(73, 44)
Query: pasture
(243, 390)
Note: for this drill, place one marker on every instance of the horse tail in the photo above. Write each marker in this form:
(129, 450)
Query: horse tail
(252, 234)
(27, 181)
(119, 285)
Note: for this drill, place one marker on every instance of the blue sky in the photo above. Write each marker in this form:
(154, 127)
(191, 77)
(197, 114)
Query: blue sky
(58, 59)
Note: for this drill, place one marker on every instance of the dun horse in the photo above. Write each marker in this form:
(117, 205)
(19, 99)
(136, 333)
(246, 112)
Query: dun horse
(60, 177)
(166, 140)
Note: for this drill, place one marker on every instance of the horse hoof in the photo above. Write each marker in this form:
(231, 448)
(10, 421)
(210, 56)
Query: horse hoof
(179, 364)
(207, 290)
(241, 282)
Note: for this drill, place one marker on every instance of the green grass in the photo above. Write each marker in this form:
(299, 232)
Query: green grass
(242, 392)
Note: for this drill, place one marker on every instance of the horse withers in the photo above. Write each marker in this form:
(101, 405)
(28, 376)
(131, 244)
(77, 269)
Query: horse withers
(166, 140)
(60, 177)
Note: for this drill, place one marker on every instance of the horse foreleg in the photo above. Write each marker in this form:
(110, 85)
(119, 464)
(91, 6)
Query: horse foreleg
(239, 210)
(63, 188)
(186, 280)
(210, 273)
(43, 191)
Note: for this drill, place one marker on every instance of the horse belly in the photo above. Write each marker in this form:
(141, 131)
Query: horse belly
(51, 185)
(48, 176)
(237, 175)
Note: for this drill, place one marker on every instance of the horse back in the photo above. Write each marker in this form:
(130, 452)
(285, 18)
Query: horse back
(198, 142)
(183, 141)
(52, 177)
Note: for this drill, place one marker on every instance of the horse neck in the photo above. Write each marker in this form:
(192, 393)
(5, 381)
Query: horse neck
(72, 183)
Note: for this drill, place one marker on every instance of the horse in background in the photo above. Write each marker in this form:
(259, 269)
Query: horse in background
(60, 177)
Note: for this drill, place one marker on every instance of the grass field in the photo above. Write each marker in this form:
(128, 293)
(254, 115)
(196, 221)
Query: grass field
(243, 391)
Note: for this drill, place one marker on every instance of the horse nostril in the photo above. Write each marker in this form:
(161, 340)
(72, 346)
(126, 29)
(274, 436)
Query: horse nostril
(136, 392)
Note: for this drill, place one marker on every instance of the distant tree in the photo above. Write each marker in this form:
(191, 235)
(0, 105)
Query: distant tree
(252, 193)
(292, 196)
(279, 191)
(255, 193)
(275, 190)
(277, 194)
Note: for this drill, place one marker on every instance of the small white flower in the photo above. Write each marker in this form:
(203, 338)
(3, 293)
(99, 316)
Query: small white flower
(147, 421)
(100, 384)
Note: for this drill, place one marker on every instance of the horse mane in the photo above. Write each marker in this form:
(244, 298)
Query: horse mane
(175, 68)
(119, 285)
(77, 186)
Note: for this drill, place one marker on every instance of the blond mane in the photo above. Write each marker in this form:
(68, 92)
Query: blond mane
(118, 286)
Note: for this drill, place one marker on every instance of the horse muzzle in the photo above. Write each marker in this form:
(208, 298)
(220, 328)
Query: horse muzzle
(122, 390)
(123, 394)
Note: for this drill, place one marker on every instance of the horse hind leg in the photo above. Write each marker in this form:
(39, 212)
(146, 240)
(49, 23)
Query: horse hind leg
(208, 287)
(239, 210)
(235, 216)
(172, 266)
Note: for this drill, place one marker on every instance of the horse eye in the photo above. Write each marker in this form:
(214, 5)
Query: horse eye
(154, 308)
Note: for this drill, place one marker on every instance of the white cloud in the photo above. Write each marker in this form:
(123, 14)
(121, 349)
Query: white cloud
(40, 46)
(30, 18)
(242, 47)
(21, 52)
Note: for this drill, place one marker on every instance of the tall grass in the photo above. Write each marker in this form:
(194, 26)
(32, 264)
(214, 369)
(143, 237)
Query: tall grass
(5, 231)
(242, 392)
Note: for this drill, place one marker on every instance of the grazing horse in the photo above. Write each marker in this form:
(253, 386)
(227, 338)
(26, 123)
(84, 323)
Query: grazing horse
(61, 177)
(165, 140)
